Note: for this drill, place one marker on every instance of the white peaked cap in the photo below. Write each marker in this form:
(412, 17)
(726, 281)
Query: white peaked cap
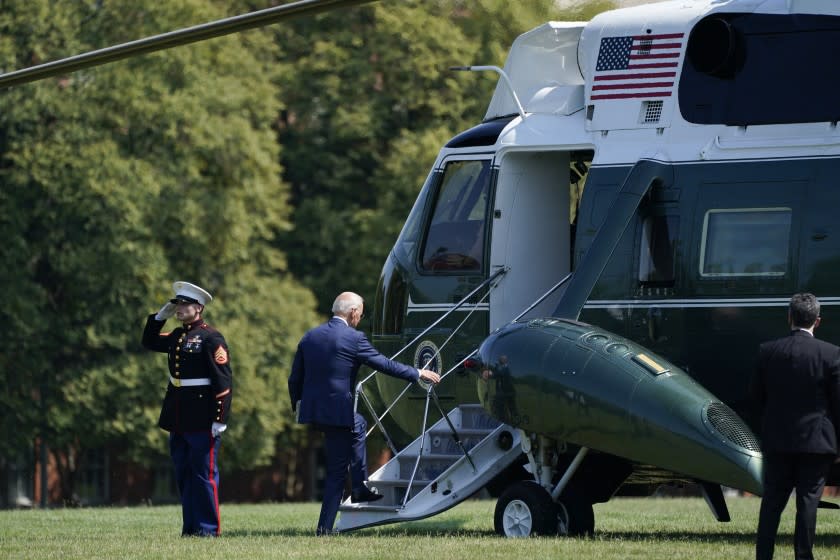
(191, 292)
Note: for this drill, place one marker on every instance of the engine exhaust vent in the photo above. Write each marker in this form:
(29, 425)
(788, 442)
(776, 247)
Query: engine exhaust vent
(725, 422)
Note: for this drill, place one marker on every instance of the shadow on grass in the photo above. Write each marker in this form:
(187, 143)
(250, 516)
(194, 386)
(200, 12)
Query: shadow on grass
(450, 528)
(281, 532)
(455, 529)
(782, 540)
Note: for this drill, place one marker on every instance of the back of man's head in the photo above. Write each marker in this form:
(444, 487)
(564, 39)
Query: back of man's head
(804, 310)
(346, 302)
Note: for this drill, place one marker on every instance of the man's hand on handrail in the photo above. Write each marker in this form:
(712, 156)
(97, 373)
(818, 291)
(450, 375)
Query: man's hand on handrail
(429, 375)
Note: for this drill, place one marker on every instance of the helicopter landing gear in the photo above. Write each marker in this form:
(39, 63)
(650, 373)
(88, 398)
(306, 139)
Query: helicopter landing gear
(575, 517)
(525, 509)
(538, 507)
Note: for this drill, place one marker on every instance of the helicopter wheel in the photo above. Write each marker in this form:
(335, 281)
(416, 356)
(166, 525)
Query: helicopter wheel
(575, 517)
(525, 509)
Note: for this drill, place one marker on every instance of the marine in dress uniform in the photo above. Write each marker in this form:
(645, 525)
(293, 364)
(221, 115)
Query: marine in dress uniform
(197, 403)
(321, 389)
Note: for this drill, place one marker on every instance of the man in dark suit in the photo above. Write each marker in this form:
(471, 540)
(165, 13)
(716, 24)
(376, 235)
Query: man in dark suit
(321, 388)
(797, 388)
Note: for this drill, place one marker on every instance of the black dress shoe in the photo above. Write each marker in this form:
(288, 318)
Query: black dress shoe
(365, 495)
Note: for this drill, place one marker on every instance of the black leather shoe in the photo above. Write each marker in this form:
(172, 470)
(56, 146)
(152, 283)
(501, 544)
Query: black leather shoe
(365, 495)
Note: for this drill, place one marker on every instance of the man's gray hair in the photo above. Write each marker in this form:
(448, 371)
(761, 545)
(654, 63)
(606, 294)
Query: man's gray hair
(345, 302)
(804, 310)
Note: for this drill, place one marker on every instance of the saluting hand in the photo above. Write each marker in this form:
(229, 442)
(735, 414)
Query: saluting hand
(167, 311)
(430, 376)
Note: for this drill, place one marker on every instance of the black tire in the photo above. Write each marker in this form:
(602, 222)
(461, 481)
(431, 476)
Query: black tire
(575, 517)
(525, 509)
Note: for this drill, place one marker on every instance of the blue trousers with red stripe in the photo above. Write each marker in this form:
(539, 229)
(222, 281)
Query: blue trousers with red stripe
(194, 456)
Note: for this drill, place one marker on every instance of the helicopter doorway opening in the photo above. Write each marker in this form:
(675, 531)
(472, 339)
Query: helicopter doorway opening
(532, 228)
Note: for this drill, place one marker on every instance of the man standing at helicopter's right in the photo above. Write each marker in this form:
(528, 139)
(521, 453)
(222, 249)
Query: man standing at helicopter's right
(797, 388)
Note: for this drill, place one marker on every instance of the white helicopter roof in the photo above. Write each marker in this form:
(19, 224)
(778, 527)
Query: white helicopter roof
(553, 68)
(564, 74)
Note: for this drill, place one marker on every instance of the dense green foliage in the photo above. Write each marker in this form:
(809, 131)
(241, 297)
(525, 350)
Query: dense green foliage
(640, 529)
(212, 163)
(367, 105)
(117, 181)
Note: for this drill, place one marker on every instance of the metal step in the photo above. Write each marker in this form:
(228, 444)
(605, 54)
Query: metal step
(444, 476)
(473, 416)
(443, 442)
(430, 466)
(370, 508)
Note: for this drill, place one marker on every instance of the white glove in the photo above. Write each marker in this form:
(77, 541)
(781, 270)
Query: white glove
(167, 311)
(218, 428)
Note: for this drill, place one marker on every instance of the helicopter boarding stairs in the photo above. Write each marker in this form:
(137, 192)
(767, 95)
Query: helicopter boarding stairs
(443, 467)
(451, 460)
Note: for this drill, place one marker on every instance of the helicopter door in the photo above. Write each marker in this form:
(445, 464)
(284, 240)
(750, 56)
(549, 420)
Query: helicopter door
(451, 262)
(530, 232)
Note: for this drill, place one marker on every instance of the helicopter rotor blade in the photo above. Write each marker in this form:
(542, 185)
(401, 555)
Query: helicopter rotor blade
(171, 39)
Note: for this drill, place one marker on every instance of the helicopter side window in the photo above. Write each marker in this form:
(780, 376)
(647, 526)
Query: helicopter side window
(410, 235)
(455, 237)
(658, 246)
(745, 242)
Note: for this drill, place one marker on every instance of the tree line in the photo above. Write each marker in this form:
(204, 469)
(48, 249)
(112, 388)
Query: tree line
(273, 167)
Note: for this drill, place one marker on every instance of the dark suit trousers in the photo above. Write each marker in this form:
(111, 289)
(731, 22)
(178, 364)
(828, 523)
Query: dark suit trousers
(784, 472)
(344, 448)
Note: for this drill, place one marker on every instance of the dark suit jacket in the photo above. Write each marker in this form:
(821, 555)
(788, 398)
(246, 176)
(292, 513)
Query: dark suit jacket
(324, 372)
(797, 387)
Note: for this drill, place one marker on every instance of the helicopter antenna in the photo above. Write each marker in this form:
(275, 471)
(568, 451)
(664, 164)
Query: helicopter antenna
(495, 69)
(173, 39)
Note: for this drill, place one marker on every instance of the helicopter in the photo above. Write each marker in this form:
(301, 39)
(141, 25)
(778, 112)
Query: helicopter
(592, 267)
(597, 261)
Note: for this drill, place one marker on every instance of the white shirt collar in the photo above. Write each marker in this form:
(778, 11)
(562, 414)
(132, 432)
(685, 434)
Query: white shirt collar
(805, 330)
(341, 318)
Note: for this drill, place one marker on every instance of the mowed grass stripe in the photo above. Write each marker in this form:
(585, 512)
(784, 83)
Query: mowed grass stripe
(627, 528)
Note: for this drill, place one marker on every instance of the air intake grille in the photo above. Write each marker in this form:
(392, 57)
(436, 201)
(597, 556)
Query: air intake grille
(727, 424)
(651, 111)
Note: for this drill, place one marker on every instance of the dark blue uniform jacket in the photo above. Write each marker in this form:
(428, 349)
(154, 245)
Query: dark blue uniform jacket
(196, 351)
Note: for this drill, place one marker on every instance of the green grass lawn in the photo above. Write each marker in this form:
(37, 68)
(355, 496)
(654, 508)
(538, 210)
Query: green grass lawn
(667, 528)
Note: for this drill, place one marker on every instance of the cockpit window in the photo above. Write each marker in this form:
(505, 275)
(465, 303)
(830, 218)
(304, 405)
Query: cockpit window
(745, 242)
(455, 236)
(410, 235)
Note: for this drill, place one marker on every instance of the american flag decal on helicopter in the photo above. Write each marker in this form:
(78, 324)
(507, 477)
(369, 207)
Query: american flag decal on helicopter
(641, 66)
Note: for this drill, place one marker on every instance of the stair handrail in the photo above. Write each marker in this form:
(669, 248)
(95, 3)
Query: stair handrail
(430, 392)
(430, 388)
(360, 385)
(500, 272)
(525, 312)
(420, 449)
(542, 297)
